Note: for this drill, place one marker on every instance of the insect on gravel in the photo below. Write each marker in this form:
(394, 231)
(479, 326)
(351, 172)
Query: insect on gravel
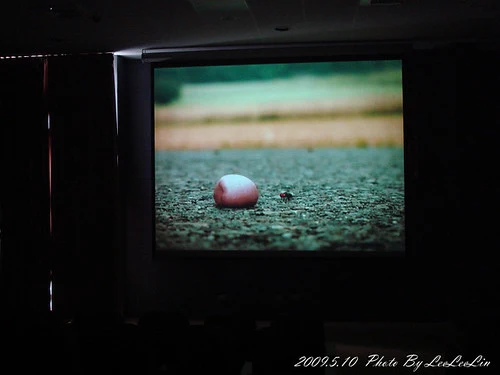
(286, 196)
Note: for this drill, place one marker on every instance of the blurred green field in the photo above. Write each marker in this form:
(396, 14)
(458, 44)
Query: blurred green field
(290, 90)
(300, 96)
(301, 111)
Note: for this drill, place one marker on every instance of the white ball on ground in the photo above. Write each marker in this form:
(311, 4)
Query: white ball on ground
(234, 190)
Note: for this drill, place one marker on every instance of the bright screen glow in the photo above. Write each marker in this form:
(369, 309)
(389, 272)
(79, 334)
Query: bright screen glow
(327, 135)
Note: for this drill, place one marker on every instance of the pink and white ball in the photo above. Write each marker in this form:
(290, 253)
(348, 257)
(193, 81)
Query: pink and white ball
(234, 190)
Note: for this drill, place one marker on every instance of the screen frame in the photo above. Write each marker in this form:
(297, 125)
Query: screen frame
(277, 54)
(381, 287)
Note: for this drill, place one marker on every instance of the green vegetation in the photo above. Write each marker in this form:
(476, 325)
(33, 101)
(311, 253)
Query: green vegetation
(362, 143)
(169, 82)
(166, 89)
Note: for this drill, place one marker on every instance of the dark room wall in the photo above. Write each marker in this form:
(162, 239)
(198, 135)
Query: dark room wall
(59, 223)
(24, 186)
(449, 119)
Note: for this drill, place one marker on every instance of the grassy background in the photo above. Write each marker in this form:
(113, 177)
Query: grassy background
(302, 111)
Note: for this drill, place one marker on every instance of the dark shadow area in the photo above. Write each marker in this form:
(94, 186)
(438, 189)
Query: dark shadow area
(162, 342)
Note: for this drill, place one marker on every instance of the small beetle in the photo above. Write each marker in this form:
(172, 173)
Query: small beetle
(286, 196)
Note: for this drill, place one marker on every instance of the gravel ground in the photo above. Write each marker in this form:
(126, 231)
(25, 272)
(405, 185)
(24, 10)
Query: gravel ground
(344, 199)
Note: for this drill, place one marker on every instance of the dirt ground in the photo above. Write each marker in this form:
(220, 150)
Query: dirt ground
(344, 199)
(349, 131)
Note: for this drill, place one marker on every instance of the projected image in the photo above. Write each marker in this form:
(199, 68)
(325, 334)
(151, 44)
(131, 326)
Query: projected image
(297, 156)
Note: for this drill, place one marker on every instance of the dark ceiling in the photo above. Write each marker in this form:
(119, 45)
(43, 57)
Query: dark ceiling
(129, 26)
